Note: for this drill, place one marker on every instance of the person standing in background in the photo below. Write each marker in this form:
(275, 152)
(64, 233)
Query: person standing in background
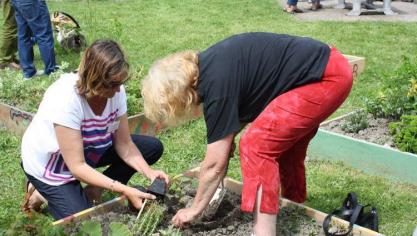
(291, 7)
(32, 18)
(8, 44)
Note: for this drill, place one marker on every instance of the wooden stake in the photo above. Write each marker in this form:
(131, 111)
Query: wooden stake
(143, 207)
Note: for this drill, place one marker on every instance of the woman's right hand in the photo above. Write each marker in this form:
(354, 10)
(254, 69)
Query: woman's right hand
(136, 197)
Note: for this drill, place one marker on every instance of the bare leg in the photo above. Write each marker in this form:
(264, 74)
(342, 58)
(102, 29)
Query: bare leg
(264, 224)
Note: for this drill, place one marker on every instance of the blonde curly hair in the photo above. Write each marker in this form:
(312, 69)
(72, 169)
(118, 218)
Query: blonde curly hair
(169, 90)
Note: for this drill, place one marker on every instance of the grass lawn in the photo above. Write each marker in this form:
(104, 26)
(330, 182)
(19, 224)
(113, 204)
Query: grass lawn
(148, 30)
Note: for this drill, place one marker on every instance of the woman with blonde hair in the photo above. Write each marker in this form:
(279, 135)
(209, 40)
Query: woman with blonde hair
(285, 86)
(81, 124)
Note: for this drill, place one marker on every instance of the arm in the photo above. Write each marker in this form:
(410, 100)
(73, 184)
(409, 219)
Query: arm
(212, 172)
(71, 147)
(131, 155)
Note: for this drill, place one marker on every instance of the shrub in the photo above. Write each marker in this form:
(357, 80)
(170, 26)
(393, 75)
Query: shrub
(134, 98)
(25, 94)
(355, 123)
(405, 133)
(399, 95)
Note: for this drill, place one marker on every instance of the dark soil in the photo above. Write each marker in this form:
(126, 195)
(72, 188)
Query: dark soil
(377, 131)
(228, 220)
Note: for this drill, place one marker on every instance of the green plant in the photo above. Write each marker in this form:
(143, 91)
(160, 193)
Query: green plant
(90, 228)
(356, 122)
(117, 229)
(26, 95)
(149, 220)
(405, 133)
(412, 90)
(134, 98)
(399, 94)
(38, 224)
(94, 228)
(392, 104)
(170, 231)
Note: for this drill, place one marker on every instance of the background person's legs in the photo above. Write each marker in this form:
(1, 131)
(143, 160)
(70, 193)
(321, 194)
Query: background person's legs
(8, 45)
(32, 19)
(291, 7)
(42, 31)
(24, 13)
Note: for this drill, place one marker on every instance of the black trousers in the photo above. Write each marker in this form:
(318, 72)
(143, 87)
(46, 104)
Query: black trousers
(69, 198)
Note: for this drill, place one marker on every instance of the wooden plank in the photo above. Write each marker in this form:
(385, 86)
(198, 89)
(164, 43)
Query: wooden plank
(15, 120)
(356, 63)
(362, 155)
(139, 124)
(99, 209)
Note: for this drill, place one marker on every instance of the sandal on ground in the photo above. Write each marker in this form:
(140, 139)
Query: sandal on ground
(315, 7)
(291, 10)
(32, 200)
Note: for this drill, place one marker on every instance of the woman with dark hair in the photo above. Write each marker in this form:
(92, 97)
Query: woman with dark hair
(283, 85)
(81, 124)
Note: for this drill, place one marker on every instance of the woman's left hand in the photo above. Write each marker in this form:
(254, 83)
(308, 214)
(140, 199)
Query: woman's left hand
(184, 217)
(153, 174)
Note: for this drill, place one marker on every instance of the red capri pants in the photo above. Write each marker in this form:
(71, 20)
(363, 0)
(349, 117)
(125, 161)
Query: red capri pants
(273, 148)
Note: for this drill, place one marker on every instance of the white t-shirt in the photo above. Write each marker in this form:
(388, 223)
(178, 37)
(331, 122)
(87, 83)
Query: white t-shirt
(62, 105)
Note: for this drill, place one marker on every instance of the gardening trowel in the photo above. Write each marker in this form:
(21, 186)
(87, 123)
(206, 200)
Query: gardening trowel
(215, 201)
(218, 196)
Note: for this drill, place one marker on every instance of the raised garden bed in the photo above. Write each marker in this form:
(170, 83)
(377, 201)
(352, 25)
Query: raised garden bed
(16, 121)
(371, 150)
(294, 219)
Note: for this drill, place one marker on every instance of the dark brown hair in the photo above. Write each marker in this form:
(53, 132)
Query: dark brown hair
(101, 62)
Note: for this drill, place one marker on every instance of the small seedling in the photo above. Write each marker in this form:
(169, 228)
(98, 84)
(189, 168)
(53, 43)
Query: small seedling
(356, 122)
